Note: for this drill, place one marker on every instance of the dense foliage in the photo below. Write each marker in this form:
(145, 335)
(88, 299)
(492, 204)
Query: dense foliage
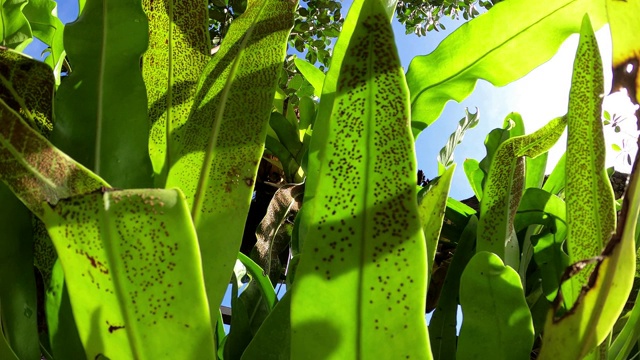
(131, 184)
(318, 22)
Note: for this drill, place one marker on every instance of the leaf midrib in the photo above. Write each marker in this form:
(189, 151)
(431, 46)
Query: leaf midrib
(217, 122)
(100, 100)
(368, 203)
(170, 82)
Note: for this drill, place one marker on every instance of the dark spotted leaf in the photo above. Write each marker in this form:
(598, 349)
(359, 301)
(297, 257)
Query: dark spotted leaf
(504, 187)
(178, 51)
(36, 171)
(573, 334)
(215, 155)
(270, 238)
(27, 87)
(360, 227)
(135, 280)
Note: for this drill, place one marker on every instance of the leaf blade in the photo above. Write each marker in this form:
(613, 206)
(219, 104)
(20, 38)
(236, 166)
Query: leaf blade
(227, 134)
(601, 300)
(105, 94)
(16, 31)
(485, 283)
(504, 187)
(171, 67)
(36, 171)
(436, 78)
(313, 75)
(127, 280)
(431, 209)
(591, 215)
(360, 135)
(48, 28)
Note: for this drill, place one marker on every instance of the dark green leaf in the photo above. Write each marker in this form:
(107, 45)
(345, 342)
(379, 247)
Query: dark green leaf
(273, 340)
(105, 94)
(443, 324)
(17, 287)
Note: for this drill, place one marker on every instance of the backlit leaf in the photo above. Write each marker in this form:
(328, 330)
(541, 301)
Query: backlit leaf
(474, 176)
(47, 27)
(591, 216)
(431, 207)
(469, 121)
(503, 190)
(539, 207)
(216, 154)
(135, 280)
(496, 318)
(625, 37)
(556, 181)
(478, 49)
(363, 241)
(179, 49)
(313, 75)
(15, 32)
(575, 333)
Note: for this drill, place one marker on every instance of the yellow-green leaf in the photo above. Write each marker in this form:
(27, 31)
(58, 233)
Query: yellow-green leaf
(431, 208)
(625, 37)
(496, 318)
(313, 75)
(503, 190)
(179, 49)
(35, 170)
(528, 33)
(363, 242)
(132, 266)
(15, 32)
(578, 331)
(216, 154)
(591, 215)
(46, 26)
